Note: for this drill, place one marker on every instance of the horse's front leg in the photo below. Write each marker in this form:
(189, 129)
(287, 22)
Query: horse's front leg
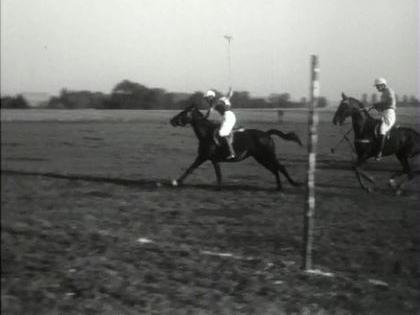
(392, 180)
(359, 174)
(399, 188)
(218, 174)
(198, 161)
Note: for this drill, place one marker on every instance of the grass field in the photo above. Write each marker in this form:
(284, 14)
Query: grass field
(90, 224)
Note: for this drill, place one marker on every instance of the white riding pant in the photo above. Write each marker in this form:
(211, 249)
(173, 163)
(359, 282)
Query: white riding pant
(388, 120)
(229, 120)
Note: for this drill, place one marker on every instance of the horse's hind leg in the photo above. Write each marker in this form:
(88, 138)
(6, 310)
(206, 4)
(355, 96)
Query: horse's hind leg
(271, 163)
(218, 174)
(400, 186)
(272, 167)
(283, 170)
(406, 170)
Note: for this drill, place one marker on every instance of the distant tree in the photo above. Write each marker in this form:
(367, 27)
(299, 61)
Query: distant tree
(6, 101)
(55, 103)
(283, 100)
(131, 95)
(241, 99)
(322, 101)
(17, 102)
(374, 98)
(258, 102)
(157, 98)
(77, 100)
(178, 100)
(365, 98)
(413, 101)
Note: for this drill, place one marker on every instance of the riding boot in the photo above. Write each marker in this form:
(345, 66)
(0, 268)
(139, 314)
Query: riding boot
(380, 148)
(230, 146)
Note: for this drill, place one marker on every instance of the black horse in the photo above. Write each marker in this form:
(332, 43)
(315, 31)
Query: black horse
(247, 142)
(402, 142)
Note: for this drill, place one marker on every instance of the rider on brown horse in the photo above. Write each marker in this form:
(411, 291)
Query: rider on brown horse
(386, 107)
(223, 107)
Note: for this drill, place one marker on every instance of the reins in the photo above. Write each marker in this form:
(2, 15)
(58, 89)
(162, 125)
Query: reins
(345, 137)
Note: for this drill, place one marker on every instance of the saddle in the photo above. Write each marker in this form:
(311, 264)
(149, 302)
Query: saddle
(387, 135)
(376, 134)
(216, 137)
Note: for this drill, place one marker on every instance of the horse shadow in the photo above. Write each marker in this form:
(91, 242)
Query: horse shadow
(136, 183)
(152, 184)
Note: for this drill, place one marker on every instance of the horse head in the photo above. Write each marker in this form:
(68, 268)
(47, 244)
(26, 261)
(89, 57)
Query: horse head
(346, 108)
(186, 116)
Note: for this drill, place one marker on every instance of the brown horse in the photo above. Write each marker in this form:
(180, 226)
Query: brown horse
(248, 142)
(402, 142)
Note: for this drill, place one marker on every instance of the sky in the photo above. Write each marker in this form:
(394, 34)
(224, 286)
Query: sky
(179, 45)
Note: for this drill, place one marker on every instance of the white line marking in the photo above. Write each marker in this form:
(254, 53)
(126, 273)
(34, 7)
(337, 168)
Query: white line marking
(319, 273)
(144, 240)
(378, 283)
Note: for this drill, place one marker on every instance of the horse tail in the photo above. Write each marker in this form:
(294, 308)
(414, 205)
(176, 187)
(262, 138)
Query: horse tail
(290, 136)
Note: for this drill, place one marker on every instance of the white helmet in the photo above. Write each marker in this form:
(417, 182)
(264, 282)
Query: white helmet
(379, 81)
(225, 101)
(210, 94)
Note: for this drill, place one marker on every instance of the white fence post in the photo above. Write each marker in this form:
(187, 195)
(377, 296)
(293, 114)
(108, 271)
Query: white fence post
(310, 182)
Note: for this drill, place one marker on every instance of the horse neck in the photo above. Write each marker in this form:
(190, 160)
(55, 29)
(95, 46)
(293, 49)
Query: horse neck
(361, 121)
(201, 128)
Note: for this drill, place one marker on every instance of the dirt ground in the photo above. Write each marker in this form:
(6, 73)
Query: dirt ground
(91, 225)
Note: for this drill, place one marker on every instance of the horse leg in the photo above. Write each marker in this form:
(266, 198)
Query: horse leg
(218, 174)
(283, 170)
(406, 170)
(359, 174)
(359, 178)
(198, 161)
(272, 167)
(366, 176)
(391, 180)
(409, 177)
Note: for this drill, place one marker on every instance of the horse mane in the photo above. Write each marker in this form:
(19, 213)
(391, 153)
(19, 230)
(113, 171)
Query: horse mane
(362, 106)
(202, 117)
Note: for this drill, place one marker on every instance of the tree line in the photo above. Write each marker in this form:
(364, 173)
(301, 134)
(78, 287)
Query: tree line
(132, 95)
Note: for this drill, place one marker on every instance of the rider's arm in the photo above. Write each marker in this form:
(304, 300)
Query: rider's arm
(378, 106)
(208, 112)
(388, 99)
(229, 93)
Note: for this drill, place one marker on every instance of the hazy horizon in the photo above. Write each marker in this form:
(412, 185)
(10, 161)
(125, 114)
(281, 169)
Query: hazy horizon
(179, 46)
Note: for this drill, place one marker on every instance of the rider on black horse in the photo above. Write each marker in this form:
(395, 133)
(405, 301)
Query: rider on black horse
(223, 107)
(386, 107)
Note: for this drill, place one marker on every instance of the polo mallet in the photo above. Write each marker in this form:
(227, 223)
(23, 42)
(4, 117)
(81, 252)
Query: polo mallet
(345, 136)
(341, 140)
(229, 38)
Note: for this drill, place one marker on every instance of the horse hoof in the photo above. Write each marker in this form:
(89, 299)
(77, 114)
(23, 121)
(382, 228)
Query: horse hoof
(369, 189)
(392, 183)
(174, 183)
